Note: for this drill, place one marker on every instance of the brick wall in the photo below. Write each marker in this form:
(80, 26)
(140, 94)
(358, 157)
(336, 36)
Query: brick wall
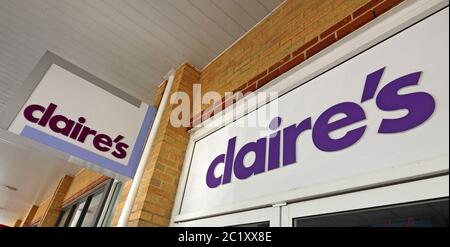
(296, 31)
(47, 212)
(158, 187)
(30, 215)
(54, 207)
(18, 223)
(40, 211)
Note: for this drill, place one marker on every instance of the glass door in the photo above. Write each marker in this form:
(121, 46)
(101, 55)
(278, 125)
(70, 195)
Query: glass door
(264, 217)
(422, 203)
(428, 213)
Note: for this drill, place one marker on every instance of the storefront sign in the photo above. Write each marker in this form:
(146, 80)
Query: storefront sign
(385, 108)
(73, 112)
(419, 107)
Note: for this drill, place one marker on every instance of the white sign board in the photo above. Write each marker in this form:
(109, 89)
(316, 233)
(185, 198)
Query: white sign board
(384, 108)
(71, 114)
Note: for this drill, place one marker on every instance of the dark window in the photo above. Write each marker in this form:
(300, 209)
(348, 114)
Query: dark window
(86, 211)
(77, 214)
(258, 224)
(63, 217)
(92, 210)
(432, 213)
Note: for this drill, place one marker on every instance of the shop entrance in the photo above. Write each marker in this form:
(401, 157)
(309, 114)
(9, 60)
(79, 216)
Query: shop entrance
(264, 217)
(421, 203)
(432, 213)
(418, 203)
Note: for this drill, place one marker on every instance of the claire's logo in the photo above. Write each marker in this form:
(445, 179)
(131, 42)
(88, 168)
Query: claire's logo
(43, 116)
(419, 106)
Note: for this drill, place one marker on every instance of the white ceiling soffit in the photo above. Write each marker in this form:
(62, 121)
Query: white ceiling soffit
(34, 173)
(131, 44)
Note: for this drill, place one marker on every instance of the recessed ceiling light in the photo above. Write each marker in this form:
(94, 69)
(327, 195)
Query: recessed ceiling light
(6, 142)
(9, 187)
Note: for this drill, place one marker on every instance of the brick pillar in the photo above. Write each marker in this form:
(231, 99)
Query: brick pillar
(51, 214)
(157, 190)
(30, 216)
(18, 223)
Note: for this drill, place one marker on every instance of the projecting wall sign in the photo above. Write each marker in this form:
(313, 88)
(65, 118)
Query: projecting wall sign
(75, 112)
(383, 109)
